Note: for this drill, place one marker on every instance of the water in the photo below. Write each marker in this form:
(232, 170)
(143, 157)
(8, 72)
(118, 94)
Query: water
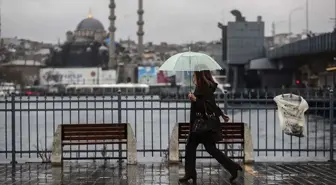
(152, 122)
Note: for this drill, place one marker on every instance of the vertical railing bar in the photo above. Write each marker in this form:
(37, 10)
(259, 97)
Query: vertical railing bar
(13, 131)
(78, 118)
(112, 114)
(70, 120)
(324, 123)
(152, 129)
(226, 112)
(119, 121)
(307, 134)
(331, 122)
(87, 117)
(29, 141)
(62, 111)
(274, 128)
(53, 112)
(160, 127)
(266, 121)
(135, 115)
(143, 124)
(103, 106)
(126, 111)
(95, 116)
(6, 126)
(45, 125)
(168, 109)
(37, 127)
(258, 122)
(315, 112)
(20, 98)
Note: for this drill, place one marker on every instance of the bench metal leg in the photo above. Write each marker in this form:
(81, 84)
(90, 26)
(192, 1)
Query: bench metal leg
(56, 155)
(131, 146)
(248, 145)
(174, 146)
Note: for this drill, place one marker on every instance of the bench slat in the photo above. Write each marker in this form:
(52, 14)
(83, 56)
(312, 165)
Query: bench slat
(97, 137)
(92, 129)
(105, 132)
(95, 125)
(94, 142)
(228, 132)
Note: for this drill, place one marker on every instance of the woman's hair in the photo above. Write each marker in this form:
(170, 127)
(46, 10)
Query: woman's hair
(204, 78)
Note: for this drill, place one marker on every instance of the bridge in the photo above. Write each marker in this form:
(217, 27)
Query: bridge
(321, 45)
(304, 62)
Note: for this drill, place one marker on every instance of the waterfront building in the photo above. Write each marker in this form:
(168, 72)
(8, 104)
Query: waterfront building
(244, 41)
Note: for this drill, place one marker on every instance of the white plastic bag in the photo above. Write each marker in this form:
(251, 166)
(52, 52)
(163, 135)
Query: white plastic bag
(291, 109)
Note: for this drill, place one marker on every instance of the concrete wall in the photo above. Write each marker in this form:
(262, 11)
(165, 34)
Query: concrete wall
(245, 41)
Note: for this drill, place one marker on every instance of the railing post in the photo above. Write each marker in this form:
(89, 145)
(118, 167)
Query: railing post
(119, 121)
(13, 162)
(331, 121)
(225, 102)
(225, 112)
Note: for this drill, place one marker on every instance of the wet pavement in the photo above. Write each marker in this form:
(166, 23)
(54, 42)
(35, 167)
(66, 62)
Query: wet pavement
(160, 173)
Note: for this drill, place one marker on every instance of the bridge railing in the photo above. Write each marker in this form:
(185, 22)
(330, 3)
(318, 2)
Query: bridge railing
(27, 124)
(313, 45)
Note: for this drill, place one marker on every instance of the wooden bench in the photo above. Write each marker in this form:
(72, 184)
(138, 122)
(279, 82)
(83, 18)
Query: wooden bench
(93, 134)
(233, 134)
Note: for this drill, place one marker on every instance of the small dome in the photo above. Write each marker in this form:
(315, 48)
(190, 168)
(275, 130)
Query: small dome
(103, 48)
(90, 24)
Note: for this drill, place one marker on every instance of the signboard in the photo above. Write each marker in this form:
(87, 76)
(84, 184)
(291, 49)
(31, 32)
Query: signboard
(147, 75)
(88, 76)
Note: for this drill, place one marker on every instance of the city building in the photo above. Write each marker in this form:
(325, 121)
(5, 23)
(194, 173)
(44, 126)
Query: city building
(245, 41)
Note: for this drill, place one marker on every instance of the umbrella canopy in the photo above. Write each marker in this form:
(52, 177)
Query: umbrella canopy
(190, 61)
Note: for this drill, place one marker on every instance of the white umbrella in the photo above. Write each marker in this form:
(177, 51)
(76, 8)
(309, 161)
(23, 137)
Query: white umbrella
(190, 61)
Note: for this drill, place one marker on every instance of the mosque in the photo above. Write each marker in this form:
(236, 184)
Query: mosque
(87, 46)
(90, 45)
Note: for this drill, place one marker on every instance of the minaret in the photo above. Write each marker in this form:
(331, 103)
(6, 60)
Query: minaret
(112, 58)
(140, 32)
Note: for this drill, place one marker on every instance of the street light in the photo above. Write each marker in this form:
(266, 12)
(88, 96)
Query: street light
(307, 16)
(290, 19)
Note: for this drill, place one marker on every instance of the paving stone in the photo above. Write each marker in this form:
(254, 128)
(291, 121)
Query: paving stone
(160, 173)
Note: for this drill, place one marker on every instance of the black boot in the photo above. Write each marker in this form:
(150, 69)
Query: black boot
(187, 177)
(234, 173)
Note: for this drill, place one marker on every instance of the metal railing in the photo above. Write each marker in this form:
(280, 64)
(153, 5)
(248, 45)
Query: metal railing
(27, 124)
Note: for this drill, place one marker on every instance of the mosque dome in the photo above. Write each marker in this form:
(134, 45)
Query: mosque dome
(89, 29)
(91, 24)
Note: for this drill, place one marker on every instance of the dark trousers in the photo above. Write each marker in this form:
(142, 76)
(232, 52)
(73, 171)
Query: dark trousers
(190, 157)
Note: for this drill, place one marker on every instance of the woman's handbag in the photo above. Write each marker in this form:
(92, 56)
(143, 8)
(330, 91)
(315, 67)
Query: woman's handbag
(203, 122)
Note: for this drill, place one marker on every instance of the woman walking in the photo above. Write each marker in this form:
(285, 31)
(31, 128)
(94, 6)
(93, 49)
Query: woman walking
(203, 103)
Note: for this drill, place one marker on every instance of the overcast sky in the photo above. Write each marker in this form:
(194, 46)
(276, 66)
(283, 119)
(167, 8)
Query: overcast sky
(174, 21)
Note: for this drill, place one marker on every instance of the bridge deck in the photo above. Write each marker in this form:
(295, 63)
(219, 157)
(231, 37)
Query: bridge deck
(159, 173)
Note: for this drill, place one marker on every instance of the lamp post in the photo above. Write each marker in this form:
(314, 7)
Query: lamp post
(290, 19)
(307, 16)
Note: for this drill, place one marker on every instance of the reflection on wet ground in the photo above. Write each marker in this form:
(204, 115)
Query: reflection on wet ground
(160, 173)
